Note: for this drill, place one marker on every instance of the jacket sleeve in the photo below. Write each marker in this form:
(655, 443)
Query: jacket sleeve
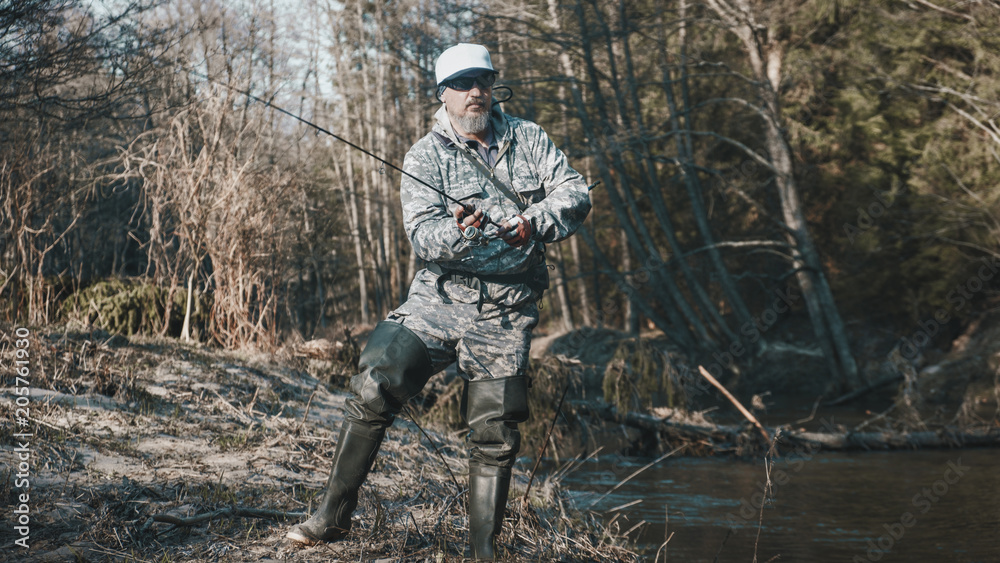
(428, 221)
(567, 201)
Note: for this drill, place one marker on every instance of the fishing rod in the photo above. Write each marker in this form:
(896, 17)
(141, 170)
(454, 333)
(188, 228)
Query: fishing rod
(301, 119)
(470, 233)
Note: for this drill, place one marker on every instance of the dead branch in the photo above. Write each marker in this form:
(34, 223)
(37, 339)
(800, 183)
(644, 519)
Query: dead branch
(945, 11)
(233, 511)
(719, 435)
(892, 378)
(732, 399)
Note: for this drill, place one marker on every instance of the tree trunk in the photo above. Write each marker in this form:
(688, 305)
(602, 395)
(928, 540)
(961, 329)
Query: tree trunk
(561, 289)
(581, 285)
(628, 290)
(186, 329)
(765, 62)
(693, 183)
(682, 317)
(390, 260)
(574, 245)
(351, 194)
(630, 322)
(648, 166)
(356, 237)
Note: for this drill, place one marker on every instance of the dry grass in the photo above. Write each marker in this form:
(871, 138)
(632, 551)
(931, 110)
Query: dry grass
(128, 431)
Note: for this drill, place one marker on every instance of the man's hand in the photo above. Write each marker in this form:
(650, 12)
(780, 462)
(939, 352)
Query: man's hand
(464, 219)
(516, 231)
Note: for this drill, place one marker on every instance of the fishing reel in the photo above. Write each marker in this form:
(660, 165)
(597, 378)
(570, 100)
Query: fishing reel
(475, 236)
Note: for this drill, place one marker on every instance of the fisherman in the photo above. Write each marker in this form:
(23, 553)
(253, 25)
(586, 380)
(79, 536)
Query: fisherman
(476, 300)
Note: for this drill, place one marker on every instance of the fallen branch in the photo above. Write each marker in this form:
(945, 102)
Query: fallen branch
(739, 406)
(943, 438)
(724, 435)
(308, 405)
(233, 511)
(945, 11)
(892, 378)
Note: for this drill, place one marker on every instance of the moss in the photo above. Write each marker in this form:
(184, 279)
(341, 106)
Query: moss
(130, 307)
(641, 376)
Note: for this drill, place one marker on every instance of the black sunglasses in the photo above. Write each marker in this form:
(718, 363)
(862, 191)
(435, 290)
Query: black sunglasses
(465, 83)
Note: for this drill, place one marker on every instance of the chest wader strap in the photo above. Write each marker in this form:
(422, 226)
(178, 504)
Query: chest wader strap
(485, 170)
(536, 278)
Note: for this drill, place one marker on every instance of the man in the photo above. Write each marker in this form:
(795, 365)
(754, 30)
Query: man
(476, 301)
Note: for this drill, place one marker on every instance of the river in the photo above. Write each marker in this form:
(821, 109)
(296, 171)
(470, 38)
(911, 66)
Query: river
(914, 506)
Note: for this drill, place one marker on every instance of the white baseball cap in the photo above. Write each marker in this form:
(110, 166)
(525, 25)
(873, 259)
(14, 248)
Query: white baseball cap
(460, 59)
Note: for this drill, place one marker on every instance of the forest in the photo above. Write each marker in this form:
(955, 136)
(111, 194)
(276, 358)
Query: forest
(800, 196)
(842, 151)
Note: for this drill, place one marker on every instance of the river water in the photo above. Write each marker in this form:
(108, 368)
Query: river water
(920, 506)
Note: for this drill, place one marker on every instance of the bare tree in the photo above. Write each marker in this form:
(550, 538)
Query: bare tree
(68, 83)
(764, 52)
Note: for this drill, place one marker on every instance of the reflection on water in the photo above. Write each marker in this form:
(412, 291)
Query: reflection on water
(927, 506)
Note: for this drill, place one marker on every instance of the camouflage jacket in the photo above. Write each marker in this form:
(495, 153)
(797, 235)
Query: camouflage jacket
(528, 161)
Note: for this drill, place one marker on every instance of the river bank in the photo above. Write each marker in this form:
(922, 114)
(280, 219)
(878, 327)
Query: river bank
(151, 450)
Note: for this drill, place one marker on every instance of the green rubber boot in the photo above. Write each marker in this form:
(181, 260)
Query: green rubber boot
(395, 366)
(356, 451)
(493, 408)
(488, 486)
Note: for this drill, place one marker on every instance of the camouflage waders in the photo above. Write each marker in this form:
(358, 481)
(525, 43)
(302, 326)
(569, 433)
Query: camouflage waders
(433, 329)
(475, 303)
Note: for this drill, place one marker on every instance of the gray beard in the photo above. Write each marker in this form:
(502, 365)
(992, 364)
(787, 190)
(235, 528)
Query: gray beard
(473, 123)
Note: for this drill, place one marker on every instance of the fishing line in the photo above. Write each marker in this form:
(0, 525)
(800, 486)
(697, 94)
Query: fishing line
(468, 208)
(470, 233)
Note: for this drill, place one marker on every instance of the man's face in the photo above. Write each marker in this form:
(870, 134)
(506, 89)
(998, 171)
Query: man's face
(469, 109)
